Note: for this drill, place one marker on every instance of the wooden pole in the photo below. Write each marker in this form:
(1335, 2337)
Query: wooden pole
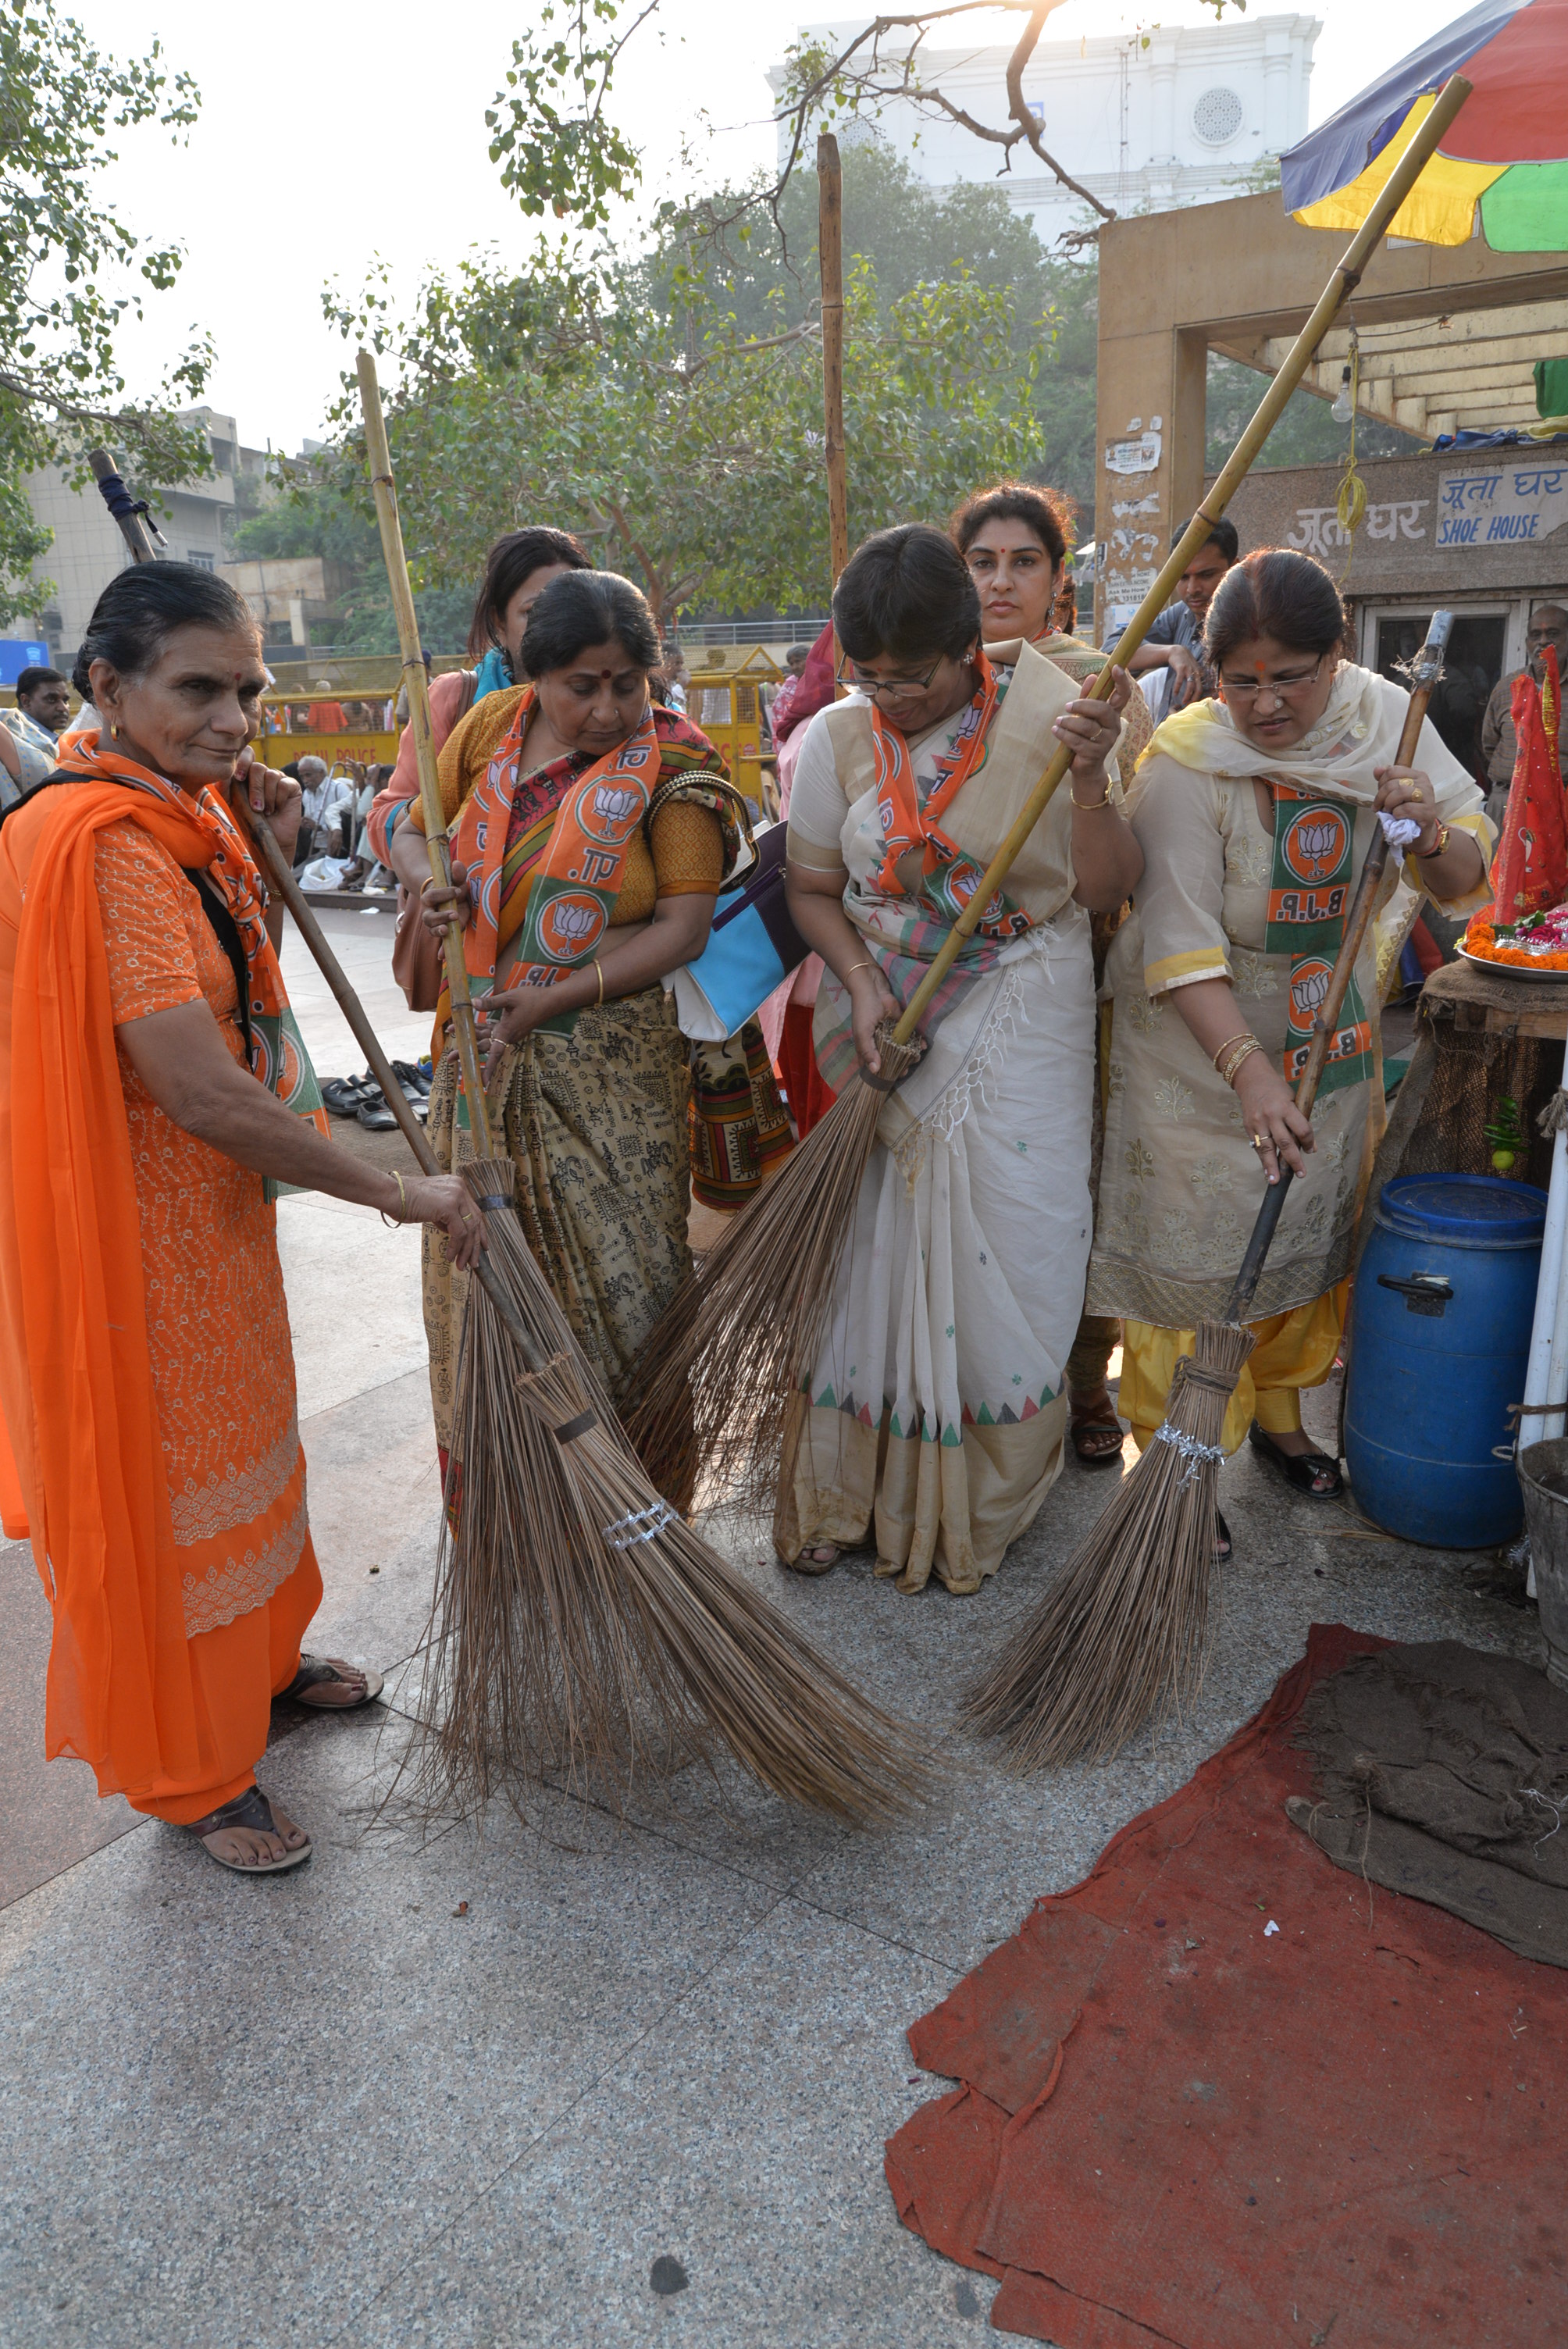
(830, 255)
(282, 876)
(1343, 283)
(464, 1031)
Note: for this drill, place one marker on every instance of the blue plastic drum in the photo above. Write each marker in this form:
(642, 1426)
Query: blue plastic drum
(1439, 1331)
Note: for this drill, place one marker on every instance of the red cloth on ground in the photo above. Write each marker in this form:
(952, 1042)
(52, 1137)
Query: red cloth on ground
(1179, 2130)
(1530, 872)
(809, 1099)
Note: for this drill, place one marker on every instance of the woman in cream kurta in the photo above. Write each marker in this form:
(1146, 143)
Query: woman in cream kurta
(1015, 539)
(1184, 1176)
(935, 1411)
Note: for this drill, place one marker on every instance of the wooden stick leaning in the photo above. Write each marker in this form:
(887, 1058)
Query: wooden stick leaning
(577, 1620)
(830, 261)
(749, 1325)
(1122, 1630)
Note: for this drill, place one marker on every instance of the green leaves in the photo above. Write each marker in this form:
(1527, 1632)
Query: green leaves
(549, 132)
(71, 270)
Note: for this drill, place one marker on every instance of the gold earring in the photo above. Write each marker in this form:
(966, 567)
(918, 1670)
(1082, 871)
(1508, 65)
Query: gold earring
(114, 731)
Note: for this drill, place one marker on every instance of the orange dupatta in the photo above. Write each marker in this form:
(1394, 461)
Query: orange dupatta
(74, 1373)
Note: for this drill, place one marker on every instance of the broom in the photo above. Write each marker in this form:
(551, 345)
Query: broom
(577, 1619)
(750, 1323)
(1121, 1632)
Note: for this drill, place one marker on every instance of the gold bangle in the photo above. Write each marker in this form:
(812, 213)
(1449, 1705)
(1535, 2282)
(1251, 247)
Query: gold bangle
(394, 1223)
(1090, 807)
(868, 965)
(600, 968)
(1438, 847)
(1218, 1054)
(1242, 1053)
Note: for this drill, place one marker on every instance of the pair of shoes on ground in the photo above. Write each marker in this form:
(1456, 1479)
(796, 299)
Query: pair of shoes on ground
(362, 1099)
(252, 1814)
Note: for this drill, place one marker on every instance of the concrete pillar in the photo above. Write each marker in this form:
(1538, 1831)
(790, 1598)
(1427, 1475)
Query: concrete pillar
(1277, 89)
(1161, 58)
(1153, 380)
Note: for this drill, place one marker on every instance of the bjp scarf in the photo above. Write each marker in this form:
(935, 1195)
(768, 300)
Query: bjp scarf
(1309, 890)
(948, 877)
(1530, 874)
(74, 1360)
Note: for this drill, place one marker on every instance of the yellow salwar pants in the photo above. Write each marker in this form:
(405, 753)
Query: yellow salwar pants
(1294, 1349)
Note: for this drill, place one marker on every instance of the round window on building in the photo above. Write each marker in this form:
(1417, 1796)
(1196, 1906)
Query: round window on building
(1217, 117)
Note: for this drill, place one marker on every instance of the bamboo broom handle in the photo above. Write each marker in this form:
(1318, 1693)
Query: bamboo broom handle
(1326, 1020)
(1343, 283)
(464, 1031)
(280, 873)
(830, 258)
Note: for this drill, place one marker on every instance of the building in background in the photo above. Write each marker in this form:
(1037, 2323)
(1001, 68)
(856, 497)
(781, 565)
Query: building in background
(88, 548)
(290, 594)
(1183, 120)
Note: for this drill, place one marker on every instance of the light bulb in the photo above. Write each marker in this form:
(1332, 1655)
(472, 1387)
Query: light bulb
(1343, 409)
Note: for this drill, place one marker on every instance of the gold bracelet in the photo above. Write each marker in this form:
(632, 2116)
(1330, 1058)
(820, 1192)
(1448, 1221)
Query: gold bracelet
(1242, 1053)
(1218, 1054)
(867, 965)
(600, 968)
(394, 1223)
(1440, 845)
(1090, 807)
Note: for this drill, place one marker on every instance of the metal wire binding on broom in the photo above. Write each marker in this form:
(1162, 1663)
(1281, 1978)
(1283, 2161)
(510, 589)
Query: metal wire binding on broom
(640, 1525)
(1192, 1451)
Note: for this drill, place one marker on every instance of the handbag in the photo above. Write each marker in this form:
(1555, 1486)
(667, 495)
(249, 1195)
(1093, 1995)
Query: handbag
(752, 947)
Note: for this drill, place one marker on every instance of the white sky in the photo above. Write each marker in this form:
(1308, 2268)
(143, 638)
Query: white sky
(333, 129)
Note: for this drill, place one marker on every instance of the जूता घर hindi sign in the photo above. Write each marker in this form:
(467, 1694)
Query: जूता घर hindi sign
(1503, 504)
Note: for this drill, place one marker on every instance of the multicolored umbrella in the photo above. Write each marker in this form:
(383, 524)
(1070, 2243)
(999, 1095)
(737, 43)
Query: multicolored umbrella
(1506, 152)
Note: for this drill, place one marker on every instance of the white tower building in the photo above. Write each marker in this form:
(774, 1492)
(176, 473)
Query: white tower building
(1146, 130)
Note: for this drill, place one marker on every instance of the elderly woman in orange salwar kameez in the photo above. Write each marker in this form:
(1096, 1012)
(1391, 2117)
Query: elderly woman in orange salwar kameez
(153, 1086)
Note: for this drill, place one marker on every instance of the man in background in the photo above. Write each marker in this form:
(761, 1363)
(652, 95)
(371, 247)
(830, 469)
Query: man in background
(1175, 642)
(1499, 747)
(328, 813)
(43, 706)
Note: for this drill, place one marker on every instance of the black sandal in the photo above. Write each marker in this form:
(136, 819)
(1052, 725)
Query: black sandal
(1301, 1469)
(316, 1672)
(251, 1810)
(345, 1096)
(1106, 1456)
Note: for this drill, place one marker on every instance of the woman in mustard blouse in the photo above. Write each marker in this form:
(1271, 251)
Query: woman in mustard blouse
(591, 830)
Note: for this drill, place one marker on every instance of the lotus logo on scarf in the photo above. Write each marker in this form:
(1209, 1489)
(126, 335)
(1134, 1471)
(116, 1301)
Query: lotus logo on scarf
(572, 924)
(610, 811)
(1308, 986)
(1314, 844)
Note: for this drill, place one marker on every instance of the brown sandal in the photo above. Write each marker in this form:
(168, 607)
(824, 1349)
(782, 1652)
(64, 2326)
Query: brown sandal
(321, 1671)
(253, 1810)
(1098, 1420)
(808, 1562)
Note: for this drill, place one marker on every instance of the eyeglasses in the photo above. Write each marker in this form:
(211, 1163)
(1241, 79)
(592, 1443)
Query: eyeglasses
(1291, 682)
(895, 687)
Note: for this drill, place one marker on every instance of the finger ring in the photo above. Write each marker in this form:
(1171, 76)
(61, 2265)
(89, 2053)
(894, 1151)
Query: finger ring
(1259, 1140)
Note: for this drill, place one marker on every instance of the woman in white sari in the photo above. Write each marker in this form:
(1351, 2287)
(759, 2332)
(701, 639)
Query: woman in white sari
(936, 1410)
(1254, 816)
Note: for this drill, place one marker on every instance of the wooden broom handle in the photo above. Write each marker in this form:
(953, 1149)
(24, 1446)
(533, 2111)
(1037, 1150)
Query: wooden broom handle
(280, 873)
(465, 1033)
(1429, 668)
(831, 260)
(1343, 283)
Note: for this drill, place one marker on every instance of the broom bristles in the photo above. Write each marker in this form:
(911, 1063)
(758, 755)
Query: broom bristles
(1121, 1634)
(579, 1624)
(708, 1396)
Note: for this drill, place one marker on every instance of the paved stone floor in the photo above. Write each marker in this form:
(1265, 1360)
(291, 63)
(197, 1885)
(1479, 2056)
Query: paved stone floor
(342, 2107)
